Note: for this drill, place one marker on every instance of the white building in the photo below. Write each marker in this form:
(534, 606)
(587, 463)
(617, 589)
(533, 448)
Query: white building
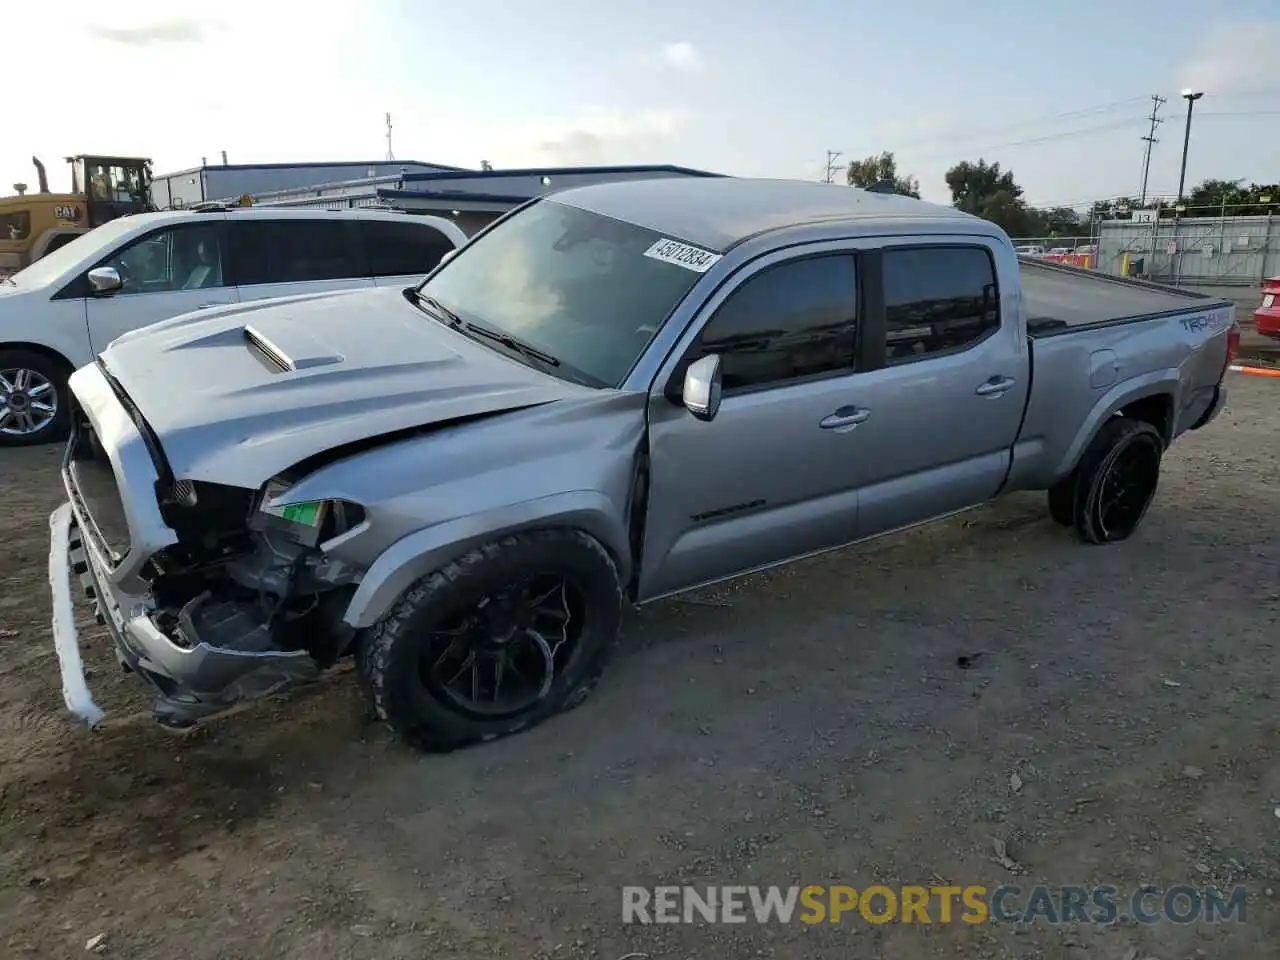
(174, 191)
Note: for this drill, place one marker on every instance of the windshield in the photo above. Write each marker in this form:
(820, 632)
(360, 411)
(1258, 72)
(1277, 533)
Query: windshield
(51, 267)
(575, 286)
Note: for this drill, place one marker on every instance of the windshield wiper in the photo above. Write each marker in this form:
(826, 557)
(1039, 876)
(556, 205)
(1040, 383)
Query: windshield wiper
(512, 343)
(434, 307)
(438, 310)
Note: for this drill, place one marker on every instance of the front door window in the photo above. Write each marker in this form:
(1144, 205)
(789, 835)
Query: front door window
(186, 257)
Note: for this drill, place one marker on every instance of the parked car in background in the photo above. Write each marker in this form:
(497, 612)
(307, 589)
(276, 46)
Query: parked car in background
(615, 394)
(1266, 319)
(1029, 250)
(61, 311)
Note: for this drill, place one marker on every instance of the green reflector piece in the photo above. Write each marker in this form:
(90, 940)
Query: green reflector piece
(304, 513)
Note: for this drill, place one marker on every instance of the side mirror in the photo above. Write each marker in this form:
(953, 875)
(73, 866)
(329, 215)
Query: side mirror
(701, 393)
(104, 280)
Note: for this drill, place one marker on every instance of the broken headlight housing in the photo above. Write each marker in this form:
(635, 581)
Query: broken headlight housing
(309, 522)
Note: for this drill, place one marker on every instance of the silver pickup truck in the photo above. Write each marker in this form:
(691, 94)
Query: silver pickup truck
(610, 396)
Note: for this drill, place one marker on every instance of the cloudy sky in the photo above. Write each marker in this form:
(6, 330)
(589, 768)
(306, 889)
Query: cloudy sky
(1056, 92)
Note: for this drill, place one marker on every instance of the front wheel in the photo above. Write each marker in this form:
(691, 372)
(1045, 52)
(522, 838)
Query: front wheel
(1117, 480)
(33, 399)
(495, 642)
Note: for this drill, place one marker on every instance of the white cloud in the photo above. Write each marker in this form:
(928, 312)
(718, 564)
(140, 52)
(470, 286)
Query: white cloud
(250, 78)
(1233, 59)
(599, 135)
(683, 56)
(177, 30)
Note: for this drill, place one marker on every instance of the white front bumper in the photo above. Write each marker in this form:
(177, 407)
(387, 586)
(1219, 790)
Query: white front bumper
(66, 640)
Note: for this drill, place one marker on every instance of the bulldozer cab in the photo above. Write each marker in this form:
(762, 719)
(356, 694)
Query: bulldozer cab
(112, 186)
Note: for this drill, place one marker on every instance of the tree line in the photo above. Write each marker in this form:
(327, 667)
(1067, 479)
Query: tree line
(986, 191)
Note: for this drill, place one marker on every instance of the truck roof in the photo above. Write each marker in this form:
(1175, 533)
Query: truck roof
(719, 212)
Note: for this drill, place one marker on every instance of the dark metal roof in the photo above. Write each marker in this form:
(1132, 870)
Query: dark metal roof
(452, 196)
(562, 171)
(719, 212)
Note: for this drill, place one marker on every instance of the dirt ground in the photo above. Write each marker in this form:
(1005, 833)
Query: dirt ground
(807, 726)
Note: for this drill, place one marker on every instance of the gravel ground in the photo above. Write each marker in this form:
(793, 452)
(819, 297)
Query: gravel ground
(812, 725)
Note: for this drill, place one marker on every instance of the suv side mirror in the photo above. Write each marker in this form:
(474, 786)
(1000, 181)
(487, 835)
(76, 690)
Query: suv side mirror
(701, 393)
(104, 280)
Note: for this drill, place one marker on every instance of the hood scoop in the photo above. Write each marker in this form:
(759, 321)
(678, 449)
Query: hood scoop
(285, 347)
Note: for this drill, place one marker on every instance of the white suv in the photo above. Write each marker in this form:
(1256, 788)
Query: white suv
(63, 310)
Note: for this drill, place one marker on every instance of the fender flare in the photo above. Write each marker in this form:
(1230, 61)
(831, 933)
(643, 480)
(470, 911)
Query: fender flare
(1158, 383)
(413, 557)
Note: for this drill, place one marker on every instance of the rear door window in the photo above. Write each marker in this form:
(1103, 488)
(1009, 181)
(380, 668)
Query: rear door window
(398, 249)
(938, 300)
(294, 251)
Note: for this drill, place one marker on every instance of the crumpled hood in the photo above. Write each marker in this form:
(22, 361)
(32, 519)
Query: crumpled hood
(235, 395)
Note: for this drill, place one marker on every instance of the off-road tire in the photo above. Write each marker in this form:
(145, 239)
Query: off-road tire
(56, 373)
(387, 654)
(1116, 436)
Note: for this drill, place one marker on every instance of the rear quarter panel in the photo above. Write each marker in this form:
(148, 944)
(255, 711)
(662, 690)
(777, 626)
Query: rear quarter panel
(1081, 377)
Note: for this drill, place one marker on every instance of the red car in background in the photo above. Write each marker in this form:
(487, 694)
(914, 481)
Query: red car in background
(1266, 319)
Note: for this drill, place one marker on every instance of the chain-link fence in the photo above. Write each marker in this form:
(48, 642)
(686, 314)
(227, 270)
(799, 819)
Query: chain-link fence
(1194, 252)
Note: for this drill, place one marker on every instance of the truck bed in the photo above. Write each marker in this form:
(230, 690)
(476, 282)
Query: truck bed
(1060, 298)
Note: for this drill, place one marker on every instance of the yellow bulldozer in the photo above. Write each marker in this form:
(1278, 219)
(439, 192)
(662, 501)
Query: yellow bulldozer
(102, 188)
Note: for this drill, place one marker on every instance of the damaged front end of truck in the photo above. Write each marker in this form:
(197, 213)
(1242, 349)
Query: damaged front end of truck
(232, 556)
(243, 602)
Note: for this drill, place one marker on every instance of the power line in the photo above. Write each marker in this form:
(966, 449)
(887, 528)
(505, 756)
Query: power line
(1239, 113)
(1047, 138)
(832, 157)
(1077, 114)
(1156, 102)
(1246, 93)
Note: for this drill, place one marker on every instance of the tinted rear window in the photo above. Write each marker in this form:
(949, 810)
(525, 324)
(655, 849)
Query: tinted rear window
(293, 251)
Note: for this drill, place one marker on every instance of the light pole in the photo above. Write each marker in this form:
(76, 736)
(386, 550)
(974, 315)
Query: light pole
(1191, 96)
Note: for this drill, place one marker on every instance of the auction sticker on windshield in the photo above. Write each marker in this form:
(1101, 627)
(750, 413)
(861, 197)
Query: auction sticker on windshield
(683, 255)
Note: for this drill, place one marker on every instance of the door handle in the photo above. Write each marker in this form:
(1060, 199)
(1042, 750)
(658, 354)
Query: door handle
(995, 387)
(846, 418)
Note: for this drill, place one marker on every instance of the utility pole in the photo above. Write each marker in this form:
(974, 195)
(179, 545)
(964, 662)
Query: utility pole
(390, 155)
(1156, 102)
(832, 157)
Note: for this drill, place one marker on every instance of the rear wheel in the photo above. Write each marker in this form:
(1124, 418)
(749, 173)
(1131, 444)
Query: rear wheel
(1117, 480)
(496, 641)
(33, 399)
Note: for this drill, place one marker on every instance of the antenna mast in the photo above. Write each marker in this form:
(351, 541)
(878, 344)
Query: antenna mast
(390, 154)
